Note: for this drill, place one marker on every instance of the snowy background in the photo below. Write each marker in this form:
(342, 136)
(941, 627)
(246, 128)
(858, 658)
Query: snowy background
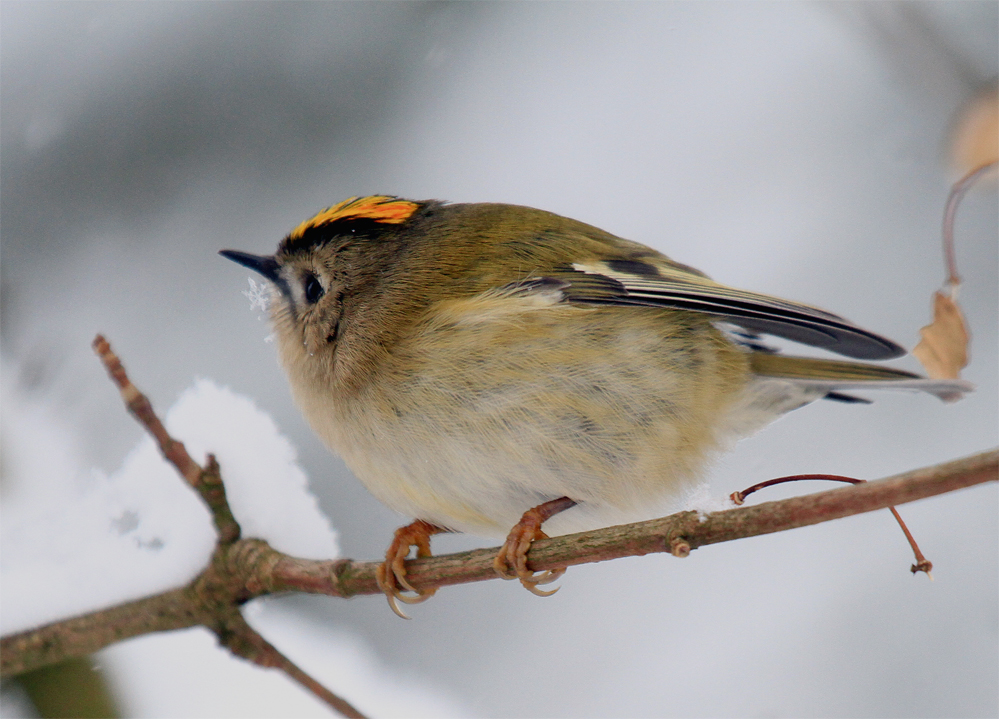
(797, 149)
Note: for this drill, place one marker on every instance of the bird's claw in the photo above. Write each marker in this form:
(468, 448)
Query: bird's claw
(391, 574)
(511, 562)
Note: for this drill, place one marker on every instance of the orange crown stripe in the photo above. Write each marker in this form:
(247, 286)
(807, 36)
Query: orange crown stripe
(379, 208)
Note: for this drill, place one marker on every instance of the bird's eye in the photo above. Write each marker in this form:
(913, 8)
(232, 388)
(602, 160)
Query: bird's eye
(313, 289)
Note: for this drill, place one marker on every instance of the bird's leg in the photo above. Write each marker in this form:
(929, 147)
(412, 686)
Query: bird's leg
(391, 573)
(511, 562)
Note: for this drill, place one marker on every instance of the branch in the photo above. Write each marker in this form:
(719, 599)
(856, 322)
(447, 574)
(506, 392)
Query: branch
(206, 481)
(251, 568)
(241, 569)
(676, 534)
(211, 600)
(244, 641)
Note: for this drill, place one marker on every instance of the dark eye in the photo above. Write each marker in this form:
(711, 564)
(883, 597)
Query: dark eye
(313, 289)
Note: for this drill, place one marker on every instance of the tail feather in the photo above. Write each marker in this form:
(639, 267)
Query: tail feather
(832, 375)
(845, 398)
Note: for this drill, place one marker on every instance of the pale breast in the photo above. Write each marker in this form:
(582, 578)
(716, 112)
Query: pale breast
(496, 404)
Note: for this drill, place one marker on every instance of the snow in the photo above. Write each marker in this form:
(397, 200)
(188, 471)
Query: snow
(107, 539)
(71, 547)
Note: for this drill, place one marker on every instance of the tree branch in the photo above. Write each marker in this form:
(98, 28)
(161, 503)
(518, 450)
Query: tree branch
(207, 480)
(251, 568)
(241, 569)
(244, 641)
(677, 534)
(211, 600)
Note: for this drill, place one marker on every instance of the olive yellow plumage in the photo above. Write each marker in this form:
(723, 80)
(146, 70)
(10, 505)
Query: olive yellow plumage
(472, 361)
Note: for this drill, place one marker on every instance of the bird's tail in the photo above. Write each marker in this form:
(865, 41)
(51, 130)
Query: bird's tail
(834, 376)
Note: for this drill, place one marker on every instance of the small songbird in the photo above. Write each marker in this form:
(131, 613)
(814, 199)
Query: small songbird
(487, 366)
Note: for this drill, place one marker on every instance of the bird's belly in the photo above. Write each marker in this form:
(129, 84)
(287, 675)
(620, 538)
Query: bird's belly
(489, 419)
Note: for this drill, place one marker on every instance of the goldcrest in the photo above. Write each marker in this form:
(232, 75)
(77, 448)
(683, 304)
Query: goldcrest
(487, 366)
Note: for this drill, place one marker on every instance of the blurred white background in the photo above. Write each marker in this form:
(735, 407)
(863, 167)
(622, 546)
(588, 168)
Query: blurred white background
(797, 149)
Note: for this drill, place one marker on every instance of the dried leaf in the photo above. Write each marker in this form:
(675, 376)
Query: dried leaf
(975, 138)
(943, 349)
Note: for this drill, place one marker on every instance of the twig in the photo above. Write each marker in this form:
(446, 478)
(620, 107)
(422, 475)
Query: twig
(242, 640)
(246, 568)
(200, 601)
(697, 530)
(140, 407)
(205, 480)
(255, 569)
(957, 192)
(922, 563)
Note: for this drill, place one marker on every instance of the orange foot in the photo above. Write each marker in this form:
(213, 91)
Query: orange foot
(511, 562)
(392, 573)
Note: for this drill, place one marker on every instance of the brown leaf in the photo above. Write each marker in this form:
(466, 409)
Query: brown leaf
(943, 350)
(975, 138)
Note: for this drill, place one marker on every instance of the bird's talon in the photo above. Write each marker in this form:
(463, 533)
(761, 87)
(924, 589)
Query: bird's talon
(511, 562)
(547, 577)
(418, 598)
(538, 592)
(502, 568)
(381, 576)
(400, 578)
(391, 574)
(395, 607)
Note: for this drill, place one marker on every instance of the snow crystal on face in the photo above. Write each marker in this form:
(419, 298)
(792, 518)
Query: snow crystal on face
(259, 295)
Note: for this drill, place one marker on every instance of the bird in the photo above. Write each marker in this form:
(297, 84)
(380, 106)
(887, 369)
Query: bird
(491, 368)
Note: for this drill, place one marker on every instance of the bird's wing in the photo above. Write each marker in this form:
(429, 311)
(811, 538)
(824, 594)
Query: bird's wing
(660, 282)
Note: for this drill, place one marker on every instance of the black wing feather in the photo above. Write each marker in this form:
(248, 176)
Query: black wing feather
(606, 284)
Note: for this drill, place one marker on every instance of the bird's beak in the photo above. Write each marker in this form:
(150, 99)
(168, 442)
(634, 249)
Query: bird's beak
(264, 264)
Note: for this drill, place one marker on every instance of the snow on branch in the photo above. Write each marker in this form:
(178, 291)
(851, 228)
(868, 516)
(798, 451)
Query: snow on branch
(242, 569)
